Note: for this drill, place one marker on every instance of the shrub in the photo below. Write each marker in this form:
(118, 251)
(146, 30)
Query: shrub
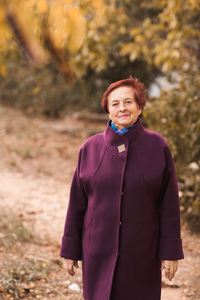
(176, 115)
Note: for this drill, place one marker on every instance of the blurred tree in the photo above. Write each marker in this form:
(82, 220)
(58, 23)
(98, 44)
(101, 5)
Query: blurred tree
(96, 34)
(84, 38)
(168, 37)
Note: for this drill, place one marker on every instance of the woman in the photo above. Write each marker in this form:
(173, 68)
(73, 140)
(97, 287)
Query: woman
(123, 218)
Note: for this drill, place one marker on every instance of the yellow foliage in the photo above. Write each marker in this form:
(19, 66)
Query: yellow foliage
(92, 28)
(36, 90)
(76, 27)
(133, 55)
(5, 36)
(3, 70)
(42, 6)
(194, 3)
(2, 15)
(135, 31)
(98, 5)
(126, 48)
(139, 39)
(67, 24)
(26, 15)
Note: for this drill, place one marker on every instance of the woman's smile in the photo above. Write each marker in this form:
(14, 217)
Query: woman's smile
(124, 116)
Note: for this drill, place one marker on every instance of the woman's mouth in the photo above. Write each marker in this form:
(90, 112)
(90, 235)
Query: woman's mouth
(123, 116)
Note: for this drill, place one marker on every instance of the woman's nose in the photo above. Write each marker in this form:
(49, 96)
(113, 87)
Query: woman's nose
(121, 106)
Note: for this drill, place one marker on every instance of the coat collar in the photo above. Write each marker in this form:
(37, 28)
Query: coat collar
(117, 143)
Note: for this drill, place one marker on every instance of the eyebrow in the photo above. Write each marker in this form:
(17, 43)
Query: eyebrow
(128, 98)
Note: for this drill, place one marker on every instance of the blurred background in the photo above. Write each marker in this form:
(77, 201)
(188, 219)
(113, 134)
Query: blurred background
(56, 60)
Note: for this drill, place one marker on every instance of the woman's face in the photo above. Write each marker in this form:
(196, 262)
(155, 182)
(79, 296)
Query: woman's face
(122, 107)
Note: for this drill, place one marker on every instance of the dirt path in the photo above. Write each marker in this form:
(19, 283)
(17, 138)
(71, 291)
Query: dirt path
(38, 157)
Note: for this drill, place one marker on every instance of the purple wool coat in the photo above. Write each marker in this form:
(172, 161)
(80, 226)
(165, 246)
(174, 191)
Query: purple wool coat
(123, 216)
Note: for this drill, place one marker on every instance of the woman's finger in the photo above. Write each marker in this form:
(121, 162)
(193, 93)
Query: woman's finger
(167, 267)
(171, 270)
(171, 267)
(162, 264)
(171, 274)
(70, 268)
(76, 264)
(167, 272)
(176, 266)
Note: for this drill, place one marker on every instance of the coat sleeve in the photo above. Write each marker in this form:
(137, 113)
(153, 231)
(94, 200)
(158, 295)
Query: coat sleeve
(71, 246)
(170, 244)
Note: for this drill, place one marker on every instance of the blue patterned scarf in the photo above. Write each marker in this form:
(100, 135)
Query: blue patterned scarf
(123, 130)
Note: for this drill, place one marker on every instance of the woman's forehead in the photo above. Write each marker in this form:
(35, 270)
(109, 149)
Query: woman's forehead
(121, 93)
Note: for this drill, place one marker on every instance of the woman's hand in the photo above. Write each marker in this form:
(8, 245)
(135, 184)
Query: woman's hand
(70, 264)
(171, 267)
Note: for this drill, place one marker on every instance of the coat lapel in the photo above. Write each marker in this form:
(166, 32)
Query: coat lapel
(117, 143)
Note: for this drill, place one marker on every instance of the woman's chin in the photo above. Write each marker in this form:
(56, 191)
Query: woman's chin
(124, 123)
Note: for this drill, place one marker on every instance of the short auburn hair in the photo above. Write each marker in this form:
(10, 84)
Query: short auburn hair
(139, 89)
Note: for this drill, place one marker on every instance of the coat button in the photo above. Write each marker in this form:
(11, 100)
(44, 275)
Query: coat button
(120, 222)
(122, 193)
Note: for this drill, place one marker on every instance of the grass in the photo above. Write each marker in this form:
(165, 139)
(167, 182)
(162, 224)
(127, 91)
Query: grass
(23, 278)
(25, 153)
(13, 230)
(34, 278)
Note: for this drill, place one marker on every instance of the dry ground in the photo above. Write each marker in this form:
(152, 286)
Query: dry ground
(38, 157)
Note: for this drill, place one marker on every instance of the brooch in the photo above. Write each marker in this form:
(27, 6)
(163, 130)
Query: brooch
(121, 148)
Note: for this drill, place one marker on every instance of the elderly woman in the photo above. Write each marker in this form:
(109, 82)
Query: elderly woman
(123, 218)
